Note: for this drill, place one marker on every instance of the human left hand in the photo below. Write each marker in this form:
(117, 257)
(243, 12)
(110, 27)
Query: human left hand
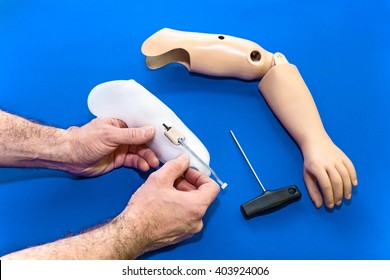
(105, 144)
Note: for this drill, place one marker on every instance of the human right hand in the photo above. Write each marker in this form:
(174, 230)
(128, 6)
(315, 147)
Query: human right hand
(167, 208)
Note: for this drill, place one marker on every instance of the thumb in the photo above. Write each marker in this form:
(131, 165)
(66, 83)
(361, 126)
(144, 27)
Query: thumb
(173, 169)
(134, 136)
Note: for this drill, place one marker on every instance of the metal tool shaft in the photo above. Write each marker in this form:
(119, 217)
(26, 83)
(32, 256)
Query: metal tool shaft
(247, 160)
(223, 185)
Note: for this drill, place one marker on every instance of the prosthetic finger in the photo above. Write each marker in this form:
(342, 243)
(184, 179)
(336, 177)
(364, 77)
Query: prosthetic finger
(312, 188)
(347, 185)
(337, 185)
(352, 171)
(326, 188)
(209, 54)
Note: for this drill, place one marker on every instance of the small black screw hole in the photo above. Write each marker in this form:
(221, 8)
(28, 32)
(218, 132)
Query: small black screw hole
(292, 191)
(221, 37)
(255, 56)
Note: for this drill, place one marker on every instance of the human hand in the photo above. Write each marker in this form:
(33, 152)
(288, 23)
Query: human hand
(167, 208)
(104, 144)
(326, 165)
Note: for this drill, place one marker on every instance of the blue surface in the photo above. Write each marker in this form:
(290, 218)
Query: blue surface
(52, 53)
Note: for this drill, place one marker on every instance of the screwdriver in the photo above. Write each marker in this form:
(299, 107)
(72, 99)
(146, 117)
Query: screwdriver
(268, 201)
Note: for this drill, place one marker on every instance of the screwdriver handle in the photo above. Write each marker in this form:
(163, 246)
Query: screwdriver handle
(270, 201)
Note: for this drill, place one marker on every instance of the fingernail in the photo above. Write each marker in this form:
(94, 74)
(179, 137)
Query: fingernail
(148, 132)
(338, 203)
(355, 182)
(330, 205)
(349, 196)
(183, 156)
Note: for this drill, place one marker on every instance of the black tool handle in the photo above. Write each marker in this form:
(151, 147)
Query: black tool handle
(270, 201)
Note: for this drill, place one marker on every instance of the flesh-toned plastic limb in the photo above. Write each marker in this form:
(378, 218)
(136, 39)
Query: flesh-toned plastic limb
(288, 96)
(209, 54)
(136, 106)
(328, 173)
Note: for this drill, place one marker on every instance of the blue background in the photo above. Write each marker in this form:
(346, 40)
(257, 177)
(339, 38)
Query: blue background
(52, 53)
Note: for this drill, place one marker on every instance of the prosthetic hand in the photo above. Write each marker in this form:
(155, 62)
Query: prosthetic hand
(284, 90)
(136, 106)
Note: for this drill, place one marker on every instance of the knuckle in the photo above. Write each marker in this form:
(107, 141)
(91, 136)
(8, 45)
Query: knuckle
(133, 134)
(156, 179)
(104, 133)
(311, 166)
(326, 188)
(172, 165)
(314, 165)
(338, 183)
(198, 212)
(198, 227)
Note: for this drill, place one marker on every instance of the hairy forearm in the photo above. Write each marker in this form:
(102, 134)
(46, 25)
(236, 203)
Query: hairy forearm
(107, 242)
(24, 143)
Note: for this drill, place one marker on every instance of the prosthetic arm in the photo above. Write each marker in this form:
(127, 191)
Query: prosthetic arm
(282, 86)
